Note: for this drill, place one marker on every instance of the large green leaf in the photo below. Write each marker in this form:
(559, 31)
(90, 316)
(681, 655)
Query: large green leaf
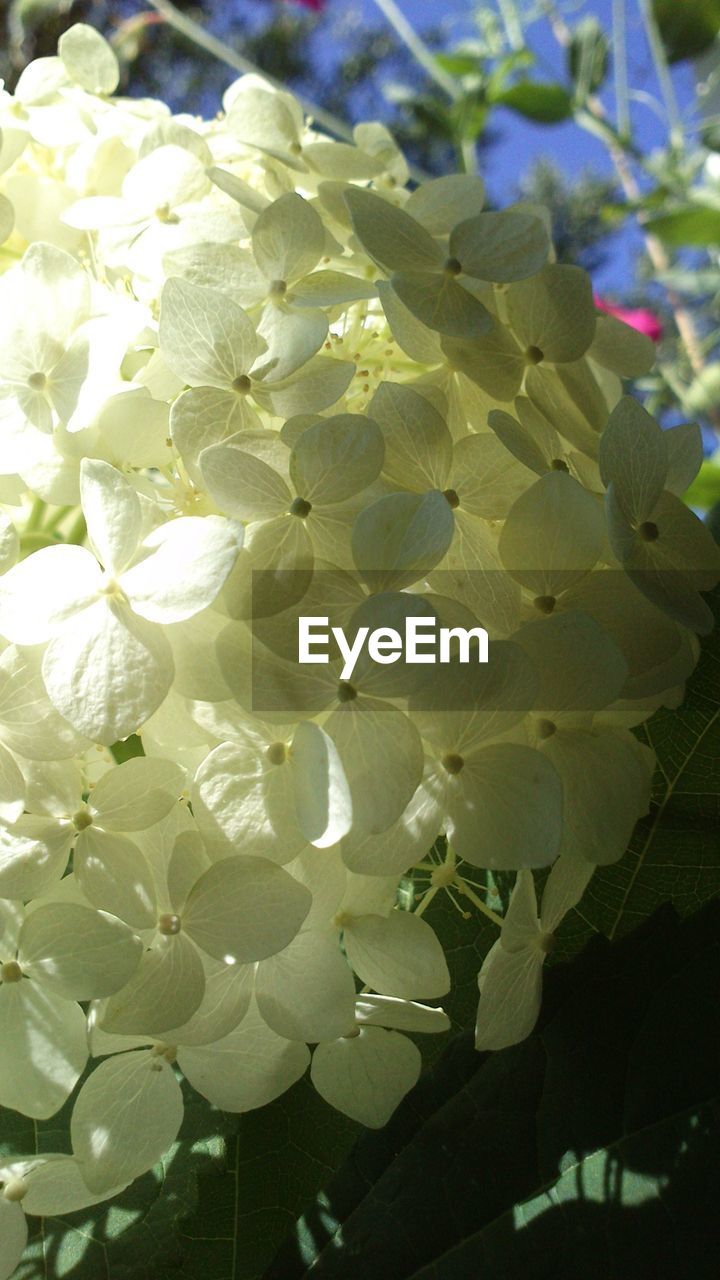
(589, 1150)
(674, 854)
(687, 27)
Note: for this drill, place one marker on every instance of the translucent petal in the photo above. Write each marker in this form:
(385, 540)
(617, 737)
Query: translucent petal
(340, 161)
(107, 672)
(400, 1015)
(579, 666)
(493, 361)
(568, 396)
(441, 203)
(219, 266)
(529, 437)
(553, 535)
(329, 288)
(134, 429)
(400, 537)
(563, 890)
(382, 756)
(291, 337)
(336, 458)
(320, 383)
(80, 953)
(44, 590)
(12, 787)
(56, 1187)
(633, 458)
(164, 179)
(505, 808)
(393, 851)
(43, 1049)
(510, 992)
(31, 727)
(126, 1116)
(262, 118)
(115, 876)
(679, 560)
(228, 992)
(243, 800)
(606, 782)
(243, 486)
(323, 805)
(204, 416)
(307, 991)
(206, 339)
(165, 990)
(33, 855)
(248, 1068)
(685, 455)
(13, 1237)
(367, 1075)
(620, 347)
(88, 59)
(442, 304)
(486, 478)
(288, 238)
(500, 246)
(411, 335)
(135, 794)
(245, 908)
(554, 312)
(394, 240)
(187, 563)
(418, 445)
(397, 955)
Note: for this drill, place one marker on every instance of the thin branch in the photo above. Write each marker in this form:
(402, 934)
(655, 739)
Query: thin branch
(512, 24)
(594, 119)
(622, 104)
(662, 71)
(418, 48)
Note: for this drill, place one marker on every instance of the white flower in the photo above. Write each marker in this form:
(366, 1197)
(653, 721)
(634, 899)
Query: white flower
(107, 665)
(510, 979)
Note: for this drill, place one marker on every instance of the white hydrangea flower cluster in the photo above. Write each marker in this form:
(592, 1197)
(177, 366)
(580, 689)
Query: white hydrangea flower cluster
(237, 346)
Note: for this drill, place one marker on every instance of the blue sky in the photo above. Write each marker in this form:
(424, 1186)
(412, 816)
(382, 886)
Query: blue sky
(519, 143)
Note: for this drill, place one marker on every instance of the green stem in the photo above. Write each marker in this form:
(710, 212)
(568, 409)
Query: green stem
(512, 24)
(58, 518)
(35, 518)
(418, 48)
(78, 531)
(662, 71)
(622, 101)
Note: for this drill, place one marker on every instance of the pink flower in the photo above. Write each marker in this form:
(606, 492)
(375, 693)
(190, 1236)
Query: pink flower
(637, 317)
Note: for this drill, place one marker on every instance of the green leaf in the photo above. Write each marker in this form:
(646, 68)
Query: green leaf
(458, 64)
(544, 103)
(704, 492)
(696, 225)
(276, 1163)
(588, 56)
(673, 854)
(588, 1150)
(687, 27)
